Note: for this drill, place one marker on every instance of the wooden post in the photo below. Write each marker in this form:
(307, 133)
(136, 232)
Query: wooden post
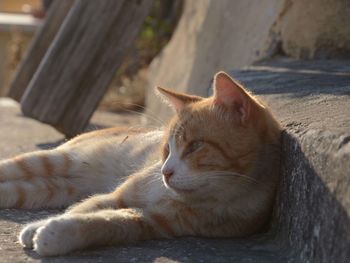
(80, 63)
(38, 47)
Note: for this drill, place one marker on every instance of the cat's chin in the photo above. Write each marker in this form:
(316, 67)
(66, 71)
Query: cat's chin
(182, 190)
(186, 191)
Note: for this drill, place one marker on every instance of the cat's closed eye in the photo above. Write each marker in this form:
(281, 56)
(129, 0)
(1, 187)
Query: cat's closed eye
(192, 147)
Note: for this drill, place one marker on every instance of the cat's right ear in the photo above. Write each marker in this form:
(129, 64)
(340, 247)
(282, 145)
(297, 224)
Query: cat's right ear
(177, 100)
(230, 93)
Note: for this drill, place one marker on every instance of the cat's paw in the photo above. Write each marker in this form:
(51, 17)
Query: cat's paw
(57, 237)
(27, 234)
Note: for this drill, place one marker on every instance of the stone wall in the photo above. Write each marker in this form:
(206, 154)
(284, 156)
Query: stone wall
(316, 29)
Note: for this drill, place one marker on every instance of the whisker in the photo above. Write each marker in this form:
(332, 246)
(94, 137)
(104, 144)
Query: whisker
(232, 174)
(153, 180)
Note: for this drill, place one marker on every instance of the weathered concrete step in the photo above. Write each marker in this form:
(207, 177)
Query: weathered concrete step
(313, 205)
(310, 94)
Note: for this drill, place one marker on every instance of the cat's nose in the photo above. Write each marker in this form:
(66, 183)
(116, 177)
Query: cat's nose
(168, 173)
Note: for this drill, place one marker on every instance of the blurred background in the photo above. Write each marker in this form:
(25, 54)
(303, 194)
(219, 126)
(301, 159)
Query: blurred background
(182, 43)
(20, 19)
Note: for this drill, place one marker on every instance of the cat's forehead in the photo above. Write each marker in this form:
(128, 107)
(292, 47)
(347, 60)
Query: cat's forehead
(179, 130)
(205, 121)
(190, 124)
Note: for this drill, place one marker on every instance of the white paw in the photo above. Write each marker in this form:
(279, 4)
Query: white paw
(28, 232)
(57, 237)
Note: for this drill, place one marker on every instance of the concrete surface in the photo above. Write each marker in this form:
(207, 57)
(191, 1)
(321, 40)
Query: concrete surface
(311, 216)
(306, 94)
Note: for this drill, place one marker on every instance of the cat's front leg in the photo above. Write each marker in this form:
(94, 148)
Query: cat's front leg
(53, 236)
(27, 234)
(95, 203)
(59, 236)
(92, 204)
(71, 232)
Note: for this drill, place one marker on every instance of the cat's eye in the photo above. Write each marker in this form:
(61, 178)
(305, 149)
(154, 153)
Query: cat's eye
(192, 147)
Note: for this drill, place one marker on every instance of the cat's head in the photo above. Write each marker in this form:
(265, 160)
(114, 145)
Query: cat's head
(221, 143)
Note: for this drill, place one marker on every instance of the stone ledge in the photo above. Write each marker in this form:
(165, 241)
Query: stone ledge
(313, 204)
(309, 94)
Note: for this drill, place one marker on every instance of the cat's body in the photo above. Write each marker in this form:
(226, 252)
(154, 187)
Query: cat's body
(212, 173)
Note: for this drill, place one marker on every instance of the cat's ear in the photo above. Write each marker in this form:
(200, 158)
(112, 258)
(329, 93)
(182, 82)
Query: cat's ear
(230, 93)
(177, 100)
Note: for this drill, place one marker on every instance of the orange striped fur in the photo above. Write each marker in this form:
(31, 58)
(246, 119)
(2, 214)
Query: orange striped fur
(211, 172)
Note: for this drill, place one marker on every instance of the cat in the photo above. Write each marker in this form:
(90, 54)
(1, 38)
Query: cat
(212, 172)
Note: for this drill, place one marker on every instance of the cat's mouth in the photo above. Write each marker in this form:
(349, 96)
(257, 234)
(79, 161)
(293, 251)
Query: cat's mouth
(176, 188)
(181, 190)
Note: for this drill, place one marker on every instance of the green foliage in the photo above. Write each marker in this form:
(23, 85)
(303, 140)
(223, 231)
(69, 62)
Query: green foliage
(157, 29)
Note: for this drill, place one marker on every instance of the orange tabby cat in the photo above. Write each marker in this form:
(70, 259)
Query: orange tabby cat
(214, 175)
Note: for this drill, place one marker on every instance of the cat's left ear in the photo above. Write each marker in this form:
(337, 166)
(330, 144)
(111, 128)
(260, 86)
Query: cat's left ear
(230, 93)
(177, 100)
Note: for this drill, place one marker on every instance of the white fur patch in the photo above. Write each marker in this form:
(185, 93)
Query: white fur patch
(57, 236)
(182, 178)
(173, 161)
(27, 233)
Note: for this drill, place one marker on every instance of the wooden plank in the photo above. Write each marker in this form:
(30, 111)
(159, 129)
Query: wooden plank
(38, 47)
(82, 60)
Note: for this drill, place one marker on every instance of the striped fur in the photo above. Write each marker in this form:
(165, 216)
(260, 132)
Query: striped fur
(63, 176)
(212, 172)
